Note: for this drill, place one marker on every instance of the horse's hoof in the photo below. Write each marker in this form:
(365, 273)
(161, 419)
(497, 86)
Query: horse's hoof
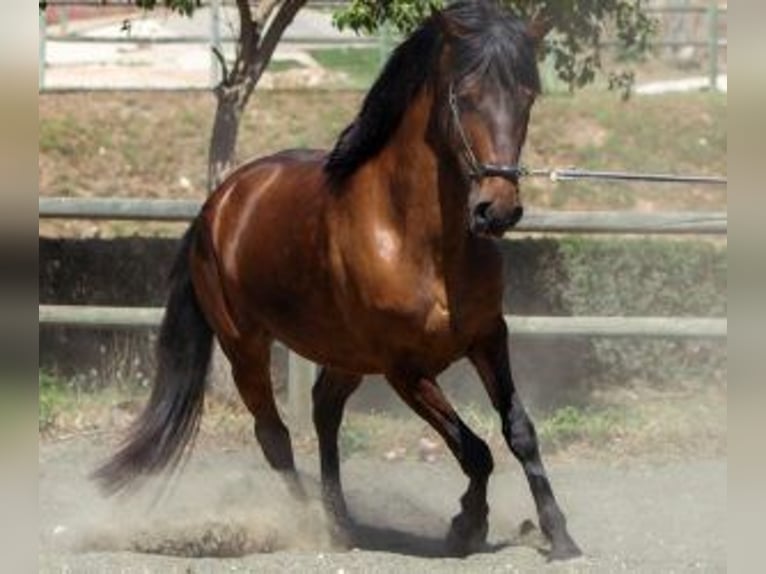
(341, 538)
(342, 532)
(564, 551)
(465, 538)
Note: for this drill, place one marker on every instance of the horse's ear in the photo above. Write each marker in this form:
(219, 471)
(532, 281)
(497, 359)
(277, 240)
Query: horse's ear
(539, 26)
(448, 26)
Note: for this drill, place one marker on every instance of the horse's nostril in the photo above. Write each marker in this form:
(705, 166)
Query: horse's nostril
(481, 211)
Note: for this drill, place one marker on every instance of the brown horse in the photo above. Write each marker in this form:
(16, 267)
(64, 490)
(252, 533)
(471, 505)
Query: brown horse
(377, 257)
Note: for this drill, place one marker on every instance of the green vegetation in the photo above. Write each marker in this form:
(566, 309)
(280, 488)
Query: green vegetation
(594, 426)
(82, 403)
(558, 430)
(632, 421)
(278, 66)
(646, 276)
(63, 135)
(360, 64)
(55, 397)
(580, 27)
(353, 439)
(622, 277)
(649, 277)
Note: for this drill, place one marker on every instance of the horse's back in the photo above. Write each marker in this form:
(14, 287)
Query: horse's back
(294, 159)
(265, 184)
(268, 205)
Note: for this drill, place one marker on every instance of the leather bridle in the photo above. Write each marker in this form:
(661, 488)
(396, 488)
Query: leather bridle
(476, 169)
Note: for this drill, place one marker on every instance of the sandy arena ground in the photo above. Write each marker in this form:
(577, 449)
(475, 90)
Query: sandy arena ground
(231, 510)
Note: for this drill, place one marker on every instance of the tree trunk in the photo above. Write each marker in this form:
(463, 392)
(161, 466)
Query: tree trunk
(223, 140)
(258, 38)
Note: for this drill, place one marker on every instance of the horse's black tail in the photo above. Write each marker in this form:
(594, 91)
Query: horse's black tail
(157, 438)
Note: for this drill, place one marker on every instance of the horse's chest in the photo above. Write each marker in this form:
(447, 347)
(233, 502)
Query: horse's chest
(438, 320)
(438, 327)
(455, 322)
(409, 311)
(432, 338)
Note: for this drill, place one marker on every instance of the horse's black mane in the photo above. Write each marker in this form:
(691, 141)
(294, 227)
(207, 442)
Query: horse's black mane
(488, 43)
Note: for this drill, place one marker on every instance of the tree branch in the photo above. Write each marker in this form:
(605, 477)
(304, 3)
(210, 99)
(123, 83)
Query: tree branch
(264, 10)
(221, 60)
(274, 32)
(249, 37)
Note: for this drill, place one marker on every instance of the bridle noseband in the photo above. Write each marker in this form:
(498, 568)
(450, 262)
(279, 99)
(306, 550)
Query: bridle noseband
(476, 169)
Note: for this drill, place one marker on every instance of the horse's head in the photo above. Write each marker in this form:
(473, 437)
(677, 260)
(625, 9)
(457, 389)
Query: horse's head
(488, 84)
(479, 64)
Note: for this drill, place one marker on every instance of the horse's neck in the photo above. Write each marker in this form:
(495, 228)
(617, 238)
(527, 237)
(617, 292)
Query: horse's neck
(428, 207)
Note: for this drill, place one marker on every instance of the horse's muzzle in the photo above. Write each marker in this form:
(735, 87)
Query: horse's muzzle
(485, 222)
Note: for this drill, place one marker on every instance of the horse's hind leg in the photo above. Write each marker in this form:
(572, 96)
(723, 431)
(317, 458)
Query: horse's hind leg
(330, 393)
(468, 531)
(253, 379)
(490, 356)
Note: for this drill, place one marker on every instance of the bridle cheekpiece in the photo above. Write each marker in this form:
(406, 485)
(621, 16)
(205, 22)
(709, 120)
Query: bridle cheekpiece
(476, 169)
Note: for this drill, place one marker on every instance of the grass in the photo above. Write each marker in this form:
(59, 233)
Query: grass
(63, 135)
(69, 406)
(676, 422)
(595, 130)
(570, 427)
(54, 397)
(355, 439)
(595, 426)
(279, 66)
(361, 65)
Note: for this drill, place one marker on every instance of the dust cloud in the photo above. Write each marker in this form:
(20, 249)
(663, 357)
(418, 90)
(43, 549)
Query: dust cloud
(211, 508)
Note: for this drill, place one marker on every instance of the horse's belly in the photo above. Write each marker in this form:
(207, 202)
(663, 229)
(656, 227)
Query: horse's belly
(331, 350)
(370, 344)
(308, 323)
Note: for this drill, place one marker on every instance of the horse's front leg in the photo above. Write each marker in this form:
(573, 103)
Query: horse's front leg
(468, 531)
(490, 357)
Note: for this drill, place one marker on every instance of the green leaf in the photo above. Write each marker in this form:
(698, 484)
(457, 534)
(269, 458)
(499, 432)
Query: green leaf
(574, 45)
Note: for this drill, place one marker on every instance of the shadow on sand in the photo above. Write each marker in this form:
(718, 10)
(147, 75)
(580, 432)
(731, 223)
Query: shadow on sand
(386, 539)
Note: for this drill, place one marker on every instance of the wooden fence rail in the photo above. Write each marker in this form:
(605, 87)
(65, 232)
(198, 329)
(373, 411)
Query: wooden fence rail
(528, 326)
